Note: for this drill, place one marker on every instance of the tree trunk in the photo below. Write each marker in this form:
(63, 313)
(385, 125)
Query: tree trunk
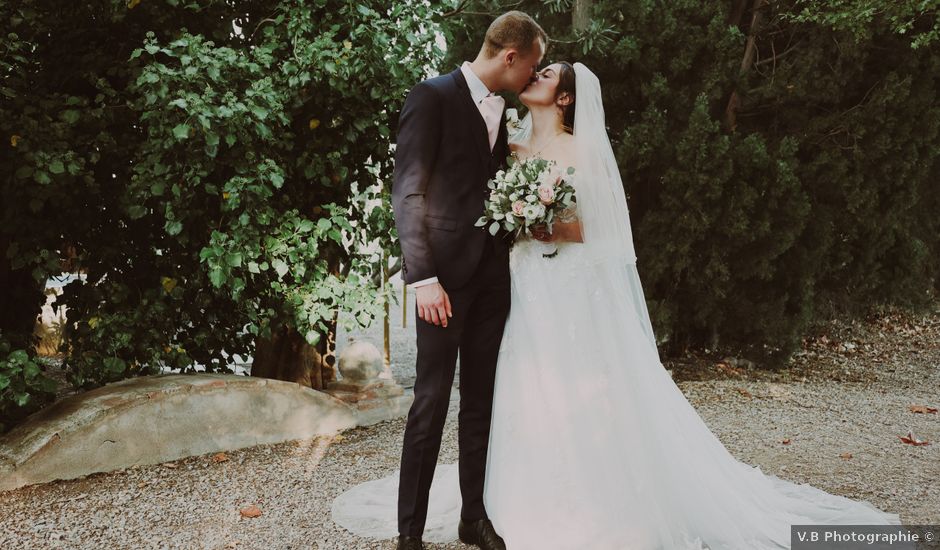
(750, 52)
(581, 14)
(288, 356)
(21, 299)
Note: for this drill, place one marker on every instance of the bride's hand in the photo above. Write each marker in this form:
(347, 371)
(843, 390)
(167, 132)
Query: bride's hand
(561, 232)
(540, 233)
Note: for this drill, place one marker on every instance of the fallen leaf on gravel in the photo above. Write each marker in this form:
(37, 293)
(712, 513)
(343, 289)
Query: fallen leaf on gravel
(744, 392)
(922, 409)
(250, 512)
(339, 438)
(171, 465)
(786, 441)
(845, 456)
(142, 484)
(728, 369)
(911, 440)
(221, 457)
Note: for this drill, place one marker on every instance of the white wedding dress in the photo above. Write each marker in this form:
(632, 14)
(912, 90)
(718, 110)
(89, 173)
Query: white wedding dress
(592, 445)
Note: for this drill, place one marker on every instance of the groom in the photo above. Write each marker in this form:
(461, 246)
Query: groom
(452, 139)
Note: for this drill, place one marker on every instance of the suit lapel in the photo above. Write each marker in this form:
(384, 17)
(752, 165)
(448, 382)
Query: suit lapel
(472, 114)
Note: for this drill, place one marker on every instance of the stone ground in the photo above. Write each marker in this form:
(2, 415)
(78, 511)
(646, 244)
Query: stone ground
(842, 405)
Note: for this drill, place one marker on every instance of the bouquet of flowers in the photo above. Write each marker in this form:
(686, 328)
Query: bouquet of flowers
(529, 193)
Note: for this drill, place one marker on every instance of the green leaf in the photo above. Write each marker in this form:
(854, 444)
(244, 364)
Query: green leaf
(41, 177)
(253, 267)
(324, 224)
(181, 131)
(30, 370)
(174, 227)
(234, 259)
(216, 277)
(279, 266)
(494, 228)
(312, 337)
(136, 211)
(56, 167)
(22, 399)
(71, 116)
(114, 365)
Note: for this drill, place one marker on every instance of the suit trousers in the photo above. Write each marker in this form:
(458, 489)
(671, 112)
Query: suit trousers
(475, 331)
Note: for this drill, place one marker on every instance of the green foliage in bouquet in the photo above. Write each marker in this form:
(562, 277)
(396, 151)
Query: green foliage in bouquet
(515, 203)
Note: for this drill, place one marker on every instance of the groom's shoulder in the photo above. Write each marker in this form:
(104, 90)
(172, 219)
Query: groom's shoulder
(440, 83)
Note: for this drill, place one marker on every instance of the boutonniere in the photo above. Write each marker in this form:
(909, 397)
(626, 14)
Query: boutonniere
(512, 121)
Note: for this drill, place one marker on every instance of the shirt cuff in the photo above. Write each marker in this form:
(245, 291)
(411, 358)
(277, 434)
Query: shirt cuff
(423, 282)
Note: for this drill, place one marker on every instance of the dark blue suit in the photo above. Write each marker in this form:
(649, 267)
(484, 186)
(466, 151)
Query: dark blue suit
(442, 164)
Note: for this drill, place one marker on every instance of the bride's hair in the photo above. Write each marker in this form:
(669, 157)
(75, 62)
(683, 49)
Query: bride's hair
(566, 85)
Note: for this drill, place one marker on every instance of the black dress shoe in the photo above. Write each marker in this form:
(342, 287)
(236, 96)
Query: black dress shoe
(480, 533)
(410, 543)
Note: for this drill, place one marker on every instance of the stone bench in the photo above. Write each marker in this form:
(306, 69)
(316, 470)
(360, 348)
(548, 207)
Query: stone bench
(155, 419)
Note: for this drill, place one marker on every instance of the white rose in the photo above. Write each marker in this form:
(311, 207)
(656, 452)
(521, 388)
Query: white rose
(531, 211)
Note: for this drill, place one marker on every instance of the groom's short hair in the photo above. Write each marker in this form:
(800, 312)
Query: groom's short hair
(513, 29)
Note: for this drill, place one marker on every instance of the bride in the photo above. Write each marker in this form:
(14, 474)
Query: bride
(592, 445)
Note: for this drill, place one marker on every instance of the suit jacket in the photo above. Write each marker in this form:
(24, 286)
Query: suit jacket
(442, 165)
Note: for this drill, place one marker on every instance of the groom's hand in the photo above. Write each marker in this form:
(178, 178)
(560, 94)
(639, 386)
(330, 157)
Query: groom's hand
(433, 304)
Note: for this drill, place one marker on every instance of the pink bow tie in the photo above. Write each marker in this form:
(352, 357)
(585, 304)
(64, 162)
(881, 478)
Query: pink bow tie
(492, 110)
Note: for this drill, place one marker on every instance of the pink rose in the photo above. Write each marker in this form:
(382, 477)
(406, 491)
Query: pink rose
(546, 194)
(517, 208)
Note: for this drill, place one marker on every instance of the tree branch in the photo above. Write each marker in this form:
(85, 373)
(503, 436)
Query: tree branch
(460, 7)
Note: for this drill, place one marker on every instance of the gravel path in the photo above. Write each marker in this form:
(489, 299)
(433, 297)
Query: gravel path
(848, 391)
